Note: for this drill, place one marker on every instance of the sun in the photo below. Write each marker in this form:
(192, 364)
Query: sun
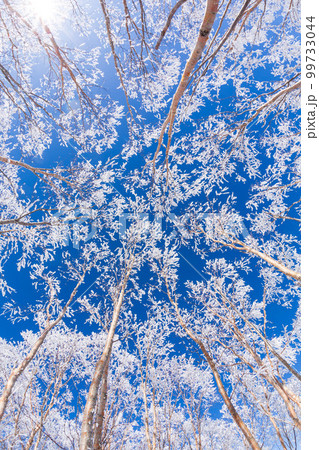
(44, 9)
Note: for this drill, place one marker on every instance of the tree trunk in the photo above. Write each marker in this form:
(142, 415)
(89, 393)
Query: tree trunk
(15, 374)
(206, 26)
(236, 417)
(86, 440)
(101, 408)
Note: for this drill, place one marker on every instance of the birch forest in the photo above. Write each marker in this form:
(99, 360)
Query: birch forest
(150, 224)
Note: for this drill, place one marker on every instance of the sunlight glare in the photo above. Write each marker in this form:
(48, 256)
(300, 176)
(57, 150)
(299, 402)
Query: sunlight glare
(44, 9)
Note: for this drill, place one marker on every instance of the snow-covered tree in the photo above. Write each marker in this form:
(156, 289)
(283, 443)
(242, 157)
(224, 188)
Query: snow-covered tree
(149, 224)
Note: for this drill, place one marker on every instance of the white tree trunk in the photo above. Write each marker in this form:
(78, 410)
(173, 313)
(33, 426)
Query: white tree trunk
(87, 432)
